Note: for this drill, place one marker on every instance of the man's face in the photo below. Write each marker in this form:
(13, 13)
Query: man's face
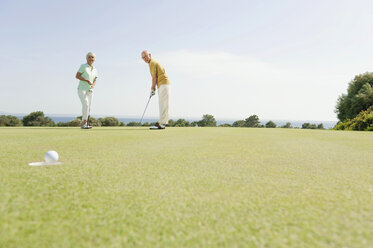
(146, 57)
(90, 59)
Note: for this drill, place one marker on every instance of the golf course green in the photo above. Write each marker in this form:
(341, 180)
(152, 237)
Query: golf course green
(186, 187)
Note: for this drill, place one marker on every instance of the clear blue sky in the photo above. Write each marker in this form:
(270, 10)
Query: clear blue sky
(277, 59)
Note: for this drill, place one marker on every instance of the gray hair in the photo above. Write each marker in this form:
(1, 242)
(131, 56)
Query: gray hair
(90, 54)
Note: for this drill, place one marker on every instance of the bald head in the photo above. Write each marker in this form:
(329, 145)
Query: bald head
(146, 56)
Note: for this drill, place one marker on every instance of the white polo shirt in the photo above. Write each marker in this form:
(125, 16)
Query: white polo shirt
(87, 73)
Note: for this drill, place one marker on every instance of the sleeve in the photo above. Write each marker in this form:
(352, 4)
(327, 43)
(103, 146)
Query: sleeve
(81, 69)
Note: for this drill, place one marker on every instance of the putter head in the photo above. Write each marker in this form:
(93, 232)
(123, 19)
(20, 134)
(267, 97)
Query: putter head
(44, 163)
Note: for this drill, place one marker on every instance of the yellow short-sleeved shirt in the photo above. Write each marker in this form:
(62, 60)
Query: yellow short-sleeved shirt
(157, 70)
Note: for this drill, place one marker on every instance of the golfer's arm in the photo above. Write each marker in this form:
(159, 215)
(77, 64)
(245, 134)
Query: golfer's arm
(154, 81)
(79, 76)
(94, 82)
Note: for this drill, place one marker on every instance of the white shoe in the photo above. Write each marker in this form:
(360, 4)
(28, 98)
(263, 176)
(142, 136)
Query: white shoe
(85, 127)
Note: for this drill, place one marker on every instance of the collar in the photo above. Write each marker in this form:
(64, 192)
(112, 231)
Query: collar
(93, 67)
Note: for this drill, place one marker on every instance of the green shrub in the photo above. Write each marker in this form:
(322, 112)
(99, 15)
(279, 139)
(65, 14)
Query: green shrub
(181, 123)
(134, 124)
(287, 125)
(109, 122)
(9, 121)
(37, 119)
(252, 121)
(359, 97)
(270, 124)
(225, 125)
(171, 123)
(239, 123)
(312, 126)
(362, 122)
(207, 121)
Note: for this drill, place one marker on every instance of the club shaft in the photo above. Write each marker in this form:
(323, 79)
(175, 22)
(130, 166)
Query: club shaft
(145, 110)
(89, 111)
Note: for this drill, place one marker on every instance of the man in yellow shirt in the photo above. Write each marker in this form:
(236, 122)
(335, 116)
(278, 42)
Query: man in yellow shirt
(159, 79)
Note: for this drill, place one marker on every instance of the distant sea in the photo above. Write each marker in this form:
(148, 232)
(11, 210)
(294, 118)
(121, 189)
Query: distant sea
(327, 124)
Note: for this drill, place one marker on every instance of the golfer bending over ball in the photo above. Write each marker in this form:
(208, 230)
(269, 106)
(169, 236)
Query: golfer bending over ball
(159, 78)
(87, 75)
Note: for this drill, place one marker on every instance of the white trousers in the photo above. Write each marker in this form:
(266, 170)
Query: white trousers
(86, 99)
(164, 99)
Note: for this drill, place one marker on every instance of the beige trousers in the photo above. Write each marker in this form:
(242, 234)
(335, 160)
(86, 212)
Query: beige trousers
(163, 98)
(85, 97)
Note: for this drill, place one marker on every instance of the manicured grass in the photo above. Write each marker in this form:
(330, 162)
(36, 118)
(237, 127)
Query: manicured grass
(186, 187)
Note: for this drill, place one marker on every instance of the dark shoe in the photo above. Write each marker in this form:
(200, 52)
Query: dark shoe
(160, 126)
(157, 126)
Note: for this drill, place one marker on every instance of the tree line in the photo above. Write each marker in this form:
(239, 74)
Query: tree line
(39, 119)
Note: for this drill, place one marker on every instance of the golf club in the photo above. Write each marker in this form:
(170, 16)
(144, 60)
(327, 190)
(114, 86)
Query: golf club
(145, 109)
(89, 108)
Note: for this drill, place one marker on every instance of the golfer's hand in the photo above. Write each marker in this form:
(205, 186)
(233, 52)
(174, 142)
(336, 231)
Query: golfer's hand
(152, 93)
(89, 82)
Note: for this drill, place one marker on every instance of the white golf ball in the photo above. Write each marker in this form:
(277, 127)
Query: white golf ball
(51, 157)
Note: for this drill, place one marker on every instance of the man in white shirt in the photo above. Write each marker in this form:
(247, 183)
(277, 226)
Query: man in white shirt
(87, 74)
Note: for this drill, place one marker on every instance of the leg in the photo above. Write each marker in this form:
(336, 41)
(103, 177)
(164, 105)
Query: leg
(163, 98)
(89, 99)
(83, 99)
